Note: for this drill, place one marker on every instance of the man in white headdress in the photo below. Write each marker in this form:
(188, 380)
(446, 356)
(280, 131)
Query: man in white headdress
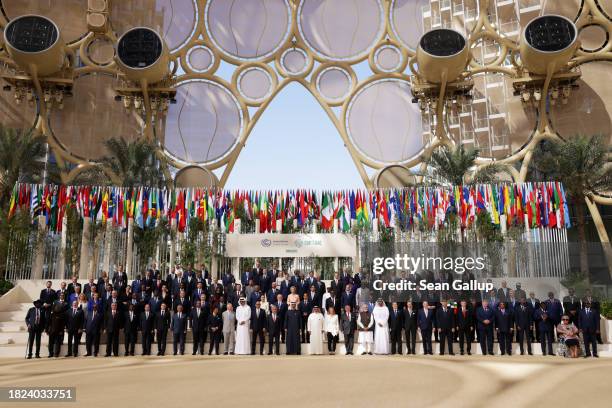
(243, 317)
(381, 334)
(365, 324)
(315, 328)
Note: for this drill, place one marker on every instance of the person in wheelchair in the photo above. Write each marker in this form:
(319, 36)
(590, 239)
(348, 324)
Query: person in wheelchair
(568, 335)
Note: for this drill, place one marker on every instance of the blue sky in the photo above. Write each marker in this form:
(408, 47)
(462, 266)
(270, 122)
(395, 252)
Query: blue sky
(294, 144)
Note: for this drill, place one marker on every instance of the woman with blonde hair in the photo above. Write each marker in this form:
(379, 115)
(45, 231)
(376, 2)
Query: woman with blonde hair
(332, 327)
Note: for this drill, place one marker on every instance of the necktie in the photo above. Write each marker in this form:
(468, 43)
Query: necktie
(147, 315)
(198, 313)
(37, 316)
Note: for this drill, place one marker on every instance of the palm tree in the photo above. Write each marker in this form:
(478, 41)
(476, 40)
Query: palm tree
(22, 159)
(454, 166)
(581, 164)
(134, 163)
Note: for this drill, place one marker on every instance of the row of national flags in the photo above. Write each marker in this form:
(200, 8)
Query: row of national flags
(537, 204)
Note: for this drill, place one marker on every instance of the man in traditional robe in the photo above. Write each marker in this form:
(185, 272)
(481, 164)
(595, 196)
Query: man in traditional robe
(365, 324)
(315, 329)
(381, 334)
(293, 323)
(243, 318)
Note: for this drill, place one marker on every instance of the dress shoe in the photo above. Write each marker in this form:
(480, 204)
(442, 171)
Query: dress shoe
(370, 353)
(68, 355)
(232, 353)
(364, 353)
(107, 355)
(595, 355)
(87, 355)
(29, 357)
(451, 354)
(193, 354)
(37, 356)
(226, 353)
(461, 352)
(469, 353)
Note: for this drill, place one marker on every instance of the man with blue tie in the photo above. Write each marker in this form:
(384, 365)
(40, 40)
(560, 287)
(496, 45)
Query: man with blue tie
(589, 327)
(93, 324)
(425, 323)
(179, 330)
(485, 317)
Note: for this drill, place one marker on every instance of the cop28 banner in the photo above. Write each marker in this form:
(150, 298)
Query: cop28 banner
(290, 245)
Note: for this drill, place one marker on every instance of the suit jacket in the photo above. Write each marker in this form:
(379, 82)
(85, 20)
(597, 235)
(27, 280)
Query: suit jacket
(215, 322)
(131, 326)
(554, 310)
(543, 319)
(482, 315)
(112, 324)
(396, 321)
(332, 302)
(162, 323)
(425, 322)
(74, 321)
(198, 324)
(258, 323)
(179, 324)
(347, 299)
(48, 296)
(570, 304)
(523, 316)
(589, 322)
(504, 322)
(464, 322)
(410, 319)
(93, 323)
(274, 327)
(147, 324)
(185, 302)
(348, 325)
(229, 321)
(445, 320)
(30, 319)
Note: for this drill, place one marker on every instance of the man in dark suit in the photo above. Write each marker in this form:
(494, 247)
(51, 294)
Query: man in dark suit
(179, 330)
(258, 327)
(274, 326)
(546, 328)
(465, 325)
(313, 296)
(130, 329)
(503, 292)
(554, 309)
(445, 321)
(348, 297)
(410, 327)
(348, 325)
(523, 319)
(74, 327)
(47, 297)
(571, 305)
(74, 282)
(36, 322)
(215, 325)
(162, 324)
(589, 327)
(112, 324)
(396, 324)
(199, 323)
(120, 279)
(504, 326)
(57, 325)
(534, 304)
(425, 324)
(332, 301)
(485, 317)
(93, 324)
(147, 324)
(181, 300)
(87, 288)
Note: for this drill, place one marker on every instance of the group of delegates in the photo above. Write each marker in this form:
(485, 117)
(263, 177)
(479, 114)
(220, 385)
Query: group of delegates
(271, 306)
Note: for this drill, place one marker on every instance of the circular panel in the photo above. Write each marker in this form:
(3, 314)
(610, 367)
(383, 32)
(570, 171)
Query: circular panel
(200, 58)
(92, 116)
(388, 58)
(255, 84)
(101, 51)
(68, 15)
(22, 116)
(395, 177)
(247, 29)
(175, 20)
(294, 61)
(204, 124)
(383, 123)
(334, 84)
(341, 30)
(593, 37)
(31, 34)
(407, 21)
(588, 111)
(139, 48)
(195, 176)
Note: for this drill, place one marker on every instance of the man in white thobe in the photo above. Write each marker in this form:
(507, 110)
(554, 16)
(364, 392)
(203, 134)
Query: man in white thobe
(243, 318)
(381, 334)
(315, 328)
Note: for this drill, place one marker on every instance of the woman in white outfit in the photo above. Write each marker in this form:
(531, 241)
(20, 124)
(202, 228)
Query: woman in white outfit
(332, 327)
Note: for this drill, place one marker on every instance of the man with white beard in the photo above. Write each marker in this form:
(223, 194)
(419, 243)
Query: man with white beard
(243, 317)
(381, 334)
(315, 328)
